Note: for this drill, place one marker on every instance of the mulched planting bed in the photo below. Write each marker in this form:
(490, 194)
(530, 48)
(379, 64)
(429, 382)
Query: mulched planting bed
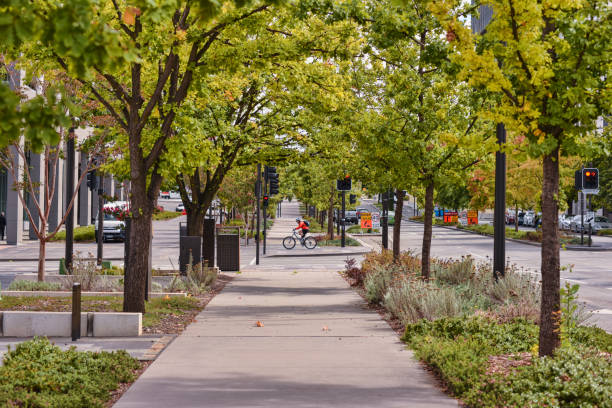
(164, 315)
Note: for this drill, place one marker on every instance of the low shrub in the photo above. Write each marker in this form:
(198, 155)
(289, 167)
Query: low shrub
(84, 233)
(323, 240)
(378, 281)
(197, 280)
(39, 374)
(488, 364)
(604, 232)
(33, 285)
(414, 299)
(84, 271)
(166, 215)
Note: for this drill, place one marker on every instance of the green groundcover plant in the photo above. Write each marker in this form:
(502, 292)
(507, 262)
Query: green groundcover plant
(488, 364)
(39, 374)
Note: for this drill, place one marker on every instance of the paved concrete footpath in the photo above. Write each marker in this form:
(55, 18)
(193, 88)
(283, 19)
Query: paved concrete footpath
(319, 347)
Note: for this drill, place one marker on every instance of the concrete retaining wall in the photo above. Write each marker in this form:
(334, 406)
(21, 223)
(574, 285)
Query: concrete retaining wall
(58, 324)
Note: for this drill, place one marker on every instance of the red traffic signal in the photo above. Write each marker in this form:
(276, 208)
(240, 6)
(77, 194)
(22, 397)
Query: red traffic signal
(266, 200)
(590, 179)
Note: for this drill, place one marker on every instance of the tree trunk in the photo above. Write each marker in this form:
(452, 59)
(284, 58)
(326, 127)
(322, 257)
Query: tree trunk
(550, 312)
(195, 221)
(138, 255)
(399, 207)
(427, 230)
(516, 215)
(42, 252)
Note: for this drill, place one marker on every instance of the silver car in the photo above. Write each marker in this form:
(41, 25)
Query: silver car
(564, 221)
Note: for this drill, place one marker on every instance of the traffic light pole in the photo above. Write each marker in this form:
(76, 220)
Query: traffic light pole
(265, 208)
(257, 196)
(581, 218)
(70, 190)
(499, 222)
(342, 220)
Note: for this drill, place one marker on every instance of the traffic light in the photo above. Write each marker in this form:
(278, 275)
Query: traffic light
(344, 184)
(352, 198)
(92, 180)
(272, 176)
(590, 179)
(578, 180)
(266, 201)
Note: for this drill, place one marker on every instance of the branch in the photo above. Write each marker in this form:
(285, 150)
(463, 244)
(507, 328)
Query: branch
(516, 38)
(100, 98)
(124, 27)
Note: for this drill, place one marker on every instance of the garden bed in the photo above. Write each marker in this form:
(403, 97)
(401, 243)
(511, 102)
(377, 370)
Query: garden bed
(39, 374)
(480, 336)
(164, 315)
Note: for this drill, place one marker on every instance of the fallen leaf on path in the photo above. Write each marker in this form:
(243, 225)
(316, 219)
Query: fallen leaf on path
(259, 324)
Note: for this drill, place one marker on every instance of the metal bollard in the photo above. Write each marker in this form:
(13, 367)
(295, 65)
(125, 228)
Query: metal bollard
(76, 311)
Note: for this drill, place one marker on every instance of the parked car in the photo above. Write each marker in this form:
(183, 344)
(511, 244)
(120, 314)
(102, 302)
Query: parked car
(359, 211)
(529, 219)
(351, 217)
(600, 223)
(164, 194)
(114, 229)
(180, 208)
(510, 218)
(565, 221)
(576, 223)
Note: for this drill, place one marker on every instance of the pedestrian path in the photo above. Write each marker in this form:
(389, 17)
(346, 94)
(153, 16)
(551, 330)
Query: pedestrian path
(280, 338)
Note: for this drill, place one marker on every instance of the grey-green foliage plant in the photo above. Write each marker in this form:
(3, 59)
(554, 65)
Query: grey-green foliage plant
(27, 285)
(198, 279)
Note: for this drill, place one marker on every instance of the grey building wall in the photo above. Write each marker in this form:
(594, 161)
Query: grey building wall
(479, 24)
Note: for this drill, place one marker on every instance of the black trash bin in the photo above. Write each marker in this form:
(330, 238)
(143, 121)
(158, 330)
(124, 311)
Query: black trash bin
(228, 249)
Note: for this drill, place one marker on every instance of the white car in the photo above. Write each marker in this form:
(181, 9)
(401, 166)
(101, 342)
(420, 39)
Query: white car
(529, 219)
(114, 229)
(180, 208)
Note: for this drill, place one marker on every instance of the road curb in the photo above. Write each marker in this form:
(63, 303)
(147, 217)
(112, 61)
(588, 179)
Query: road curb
(288, 255)
(519, 241)
(56, 259)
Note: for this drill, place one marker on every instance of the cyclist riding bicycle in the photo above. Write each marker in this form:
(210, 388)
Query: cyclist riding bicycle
(303, 226)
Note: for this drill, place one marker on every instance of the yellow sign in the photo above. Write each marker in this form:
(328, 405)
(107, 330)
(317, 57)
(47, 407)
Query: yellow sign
(366, 220)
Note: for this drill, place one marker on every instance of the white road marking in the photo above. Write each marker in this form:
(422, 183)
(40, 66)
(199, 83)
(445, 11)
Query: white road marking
(603, 311)
(253, 261)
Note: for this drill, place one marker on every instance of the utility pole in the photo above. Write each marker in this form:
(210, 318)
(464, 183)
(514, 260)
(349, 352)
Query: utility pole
(70, 191)
(100, 217)
(257, 196)
(499, 224)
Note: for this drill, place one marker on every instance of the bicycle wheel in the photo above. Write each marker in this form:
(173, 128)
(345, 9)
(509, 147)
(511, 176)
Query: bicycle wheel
(310, 242)
(289, 242)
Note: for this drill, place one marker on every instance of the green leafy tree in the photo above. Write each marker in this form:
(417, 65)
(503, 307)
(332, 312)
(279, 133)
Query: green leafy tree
(421, 123)
(549, 63)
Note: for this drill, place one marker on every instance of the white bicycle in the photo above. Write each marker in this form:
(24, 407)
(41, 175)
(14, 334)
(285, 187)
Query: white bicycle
(290, 241)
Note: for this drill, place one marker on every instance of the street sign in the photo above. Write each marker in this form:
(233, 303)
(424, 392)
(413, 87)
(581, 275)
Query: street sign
(451, 216)
(375, 220)
(366, 220)
(472, 217)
